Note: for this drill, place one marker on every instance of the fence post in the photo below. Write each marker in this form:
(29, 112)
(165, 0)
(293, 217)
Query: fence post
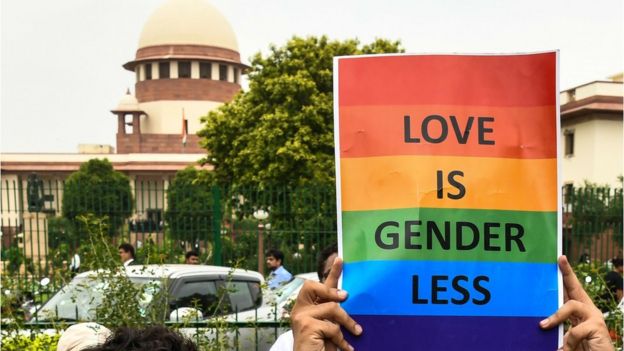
(216, 225)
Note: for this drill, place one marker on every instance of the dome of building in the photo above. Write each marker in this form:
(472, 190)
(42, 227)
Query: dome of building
(127, 103)
(188, 22)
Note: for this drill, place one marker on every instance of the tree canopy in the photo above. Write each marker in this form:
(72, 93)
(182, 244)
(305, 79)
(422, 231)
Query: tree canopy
(190, 205)
(280, 131)
(96, 188)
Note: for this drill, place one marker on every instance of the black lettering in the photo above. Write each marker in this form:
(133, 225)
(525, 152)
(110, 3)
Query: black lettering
(483, 130)
(407, 131)
(415, 299)
(462, 138)
(439, 176)
(509, 236)
(460, 289)
(486, 293)
(425, 131)
(435, 289)
(460, 236)
(394, 236)
(456, 184)
(409, 234)
(487, 235)
(445, 241)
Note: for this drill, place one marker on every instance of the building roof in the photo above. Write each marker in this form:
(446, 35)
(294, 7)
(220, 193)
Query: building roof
(42, 162)
(598, 96)
(188, 22)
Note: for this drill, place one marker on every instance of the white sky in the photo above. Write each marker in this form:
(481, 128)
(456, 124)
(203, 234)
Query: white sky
(61, 59)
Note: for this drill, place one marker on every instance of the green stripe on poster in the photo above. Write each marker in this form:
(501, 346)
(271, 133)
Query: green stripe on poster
(450, 235)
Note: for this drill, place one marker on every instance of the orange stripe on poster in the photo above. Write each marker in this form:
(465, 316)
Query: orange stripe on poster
(376, 183)
(511, 132)
(494, 80)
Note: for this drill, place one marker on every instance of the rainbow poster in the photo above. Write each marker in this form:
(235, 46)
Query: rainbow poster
(448, 199)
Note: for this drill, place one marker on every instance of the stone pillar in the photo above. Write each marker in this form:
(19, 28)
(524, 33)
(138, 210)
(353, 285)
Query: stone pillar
(121, 123)
(136, 123)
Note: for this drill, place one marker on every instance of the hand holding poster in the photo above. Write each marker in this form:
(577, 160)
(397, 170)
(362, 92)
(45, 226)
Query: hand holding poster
(449, 200)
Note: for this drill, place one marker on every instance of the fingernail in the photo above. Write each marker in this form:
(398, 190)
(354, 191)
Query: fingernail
(544, 322)
(358, 329)
(342, 294)
(351, 348)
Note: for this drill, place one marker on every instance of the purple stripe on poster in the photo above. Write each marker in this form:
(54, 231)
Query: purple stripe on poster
(452, 333)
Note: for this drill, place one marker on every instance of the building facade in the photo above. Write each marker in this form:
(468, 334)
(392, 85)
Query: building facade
(592, 133)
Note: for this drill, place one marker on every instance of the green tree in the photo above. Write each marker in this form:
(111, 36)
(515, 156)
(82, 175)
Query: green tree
(96, 188)
(280, 131)
(595, 209)
(190, 205)
(273, 145)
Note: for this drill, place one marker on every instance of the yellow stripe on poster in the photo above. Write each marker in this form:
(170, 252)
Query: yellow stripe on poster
(374, 183)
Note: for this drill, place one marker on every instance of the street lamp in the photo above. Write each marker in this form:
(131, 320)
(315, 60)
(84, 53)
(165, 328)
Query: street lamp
(260, 215)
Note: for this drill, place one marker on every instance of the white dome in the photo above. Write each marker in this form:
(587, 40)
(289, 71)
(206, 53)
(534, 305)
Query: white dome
(191, 22)
(127, 103)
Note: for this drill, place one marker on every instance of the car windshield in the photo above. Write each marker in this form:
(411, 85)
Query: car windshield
(285, 291)
(80, 299)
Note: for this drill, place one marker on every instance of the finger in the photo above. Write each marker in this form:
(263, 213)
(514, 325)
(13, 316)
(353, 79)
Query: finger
(313, 292)
(571, 284)
(332, 332)
(332, 311)
(576, 335)
(329, 346)
(334, 273)
(568, 309)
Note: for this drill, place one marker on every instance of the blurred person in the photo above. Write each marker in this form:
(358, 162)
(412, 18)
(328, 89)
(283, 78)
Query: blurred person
(279, 275)
(81, 336)
(614, 282)
(126, 254)
(153, 338)
(191, 257)
(324, 262)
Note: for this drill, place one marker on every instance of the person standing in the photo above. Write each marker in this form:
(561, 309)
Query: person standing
(279, 275)
(126, 254)
(74, 266)
(191, 257)
(614, 282)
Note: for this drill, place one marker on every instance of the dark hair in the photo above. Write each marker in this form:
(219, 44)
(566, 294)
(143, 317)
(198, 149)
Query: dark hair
(617, 262)
(127, 248)
(154, 338)
(322, 257)
(277, 254)
(191, 253)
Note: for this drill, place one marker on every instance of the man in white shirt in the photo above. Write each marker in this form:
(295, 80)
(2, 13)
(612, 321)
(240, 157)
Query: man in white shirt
(126, 254)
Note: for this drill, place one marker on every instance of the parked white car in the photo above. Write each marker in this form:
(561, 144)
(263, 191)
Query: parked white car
(194, 293)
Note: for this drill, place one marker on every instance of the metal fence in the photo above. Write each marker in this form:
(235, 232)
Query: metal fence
(227, 226)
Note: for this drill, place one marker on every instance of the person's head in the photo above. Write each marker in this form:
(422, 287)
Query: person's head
(274, 259)
(617, 265)
(325, 261)
(192, 257)
(148, 339)
(82, 335)
(126, 252)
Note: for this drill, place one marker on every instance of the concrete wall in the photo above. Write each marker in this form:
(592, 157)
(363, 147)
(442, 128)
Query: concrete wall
(598, 150)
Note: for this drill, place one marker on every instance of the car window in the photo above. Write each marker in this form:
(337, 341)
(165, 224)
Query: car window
(202, 295)
(240, 294)
(80, 299)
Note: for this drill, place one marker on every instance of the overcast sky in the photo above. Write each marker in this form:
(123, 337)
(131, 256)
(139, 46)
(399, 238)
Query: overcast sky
(61, 59)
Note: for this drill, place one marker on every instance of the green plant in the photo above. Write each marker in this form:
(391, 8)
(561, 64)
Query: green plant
(96, 188)
(37, 342)
(591, 275)
(15, 258)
